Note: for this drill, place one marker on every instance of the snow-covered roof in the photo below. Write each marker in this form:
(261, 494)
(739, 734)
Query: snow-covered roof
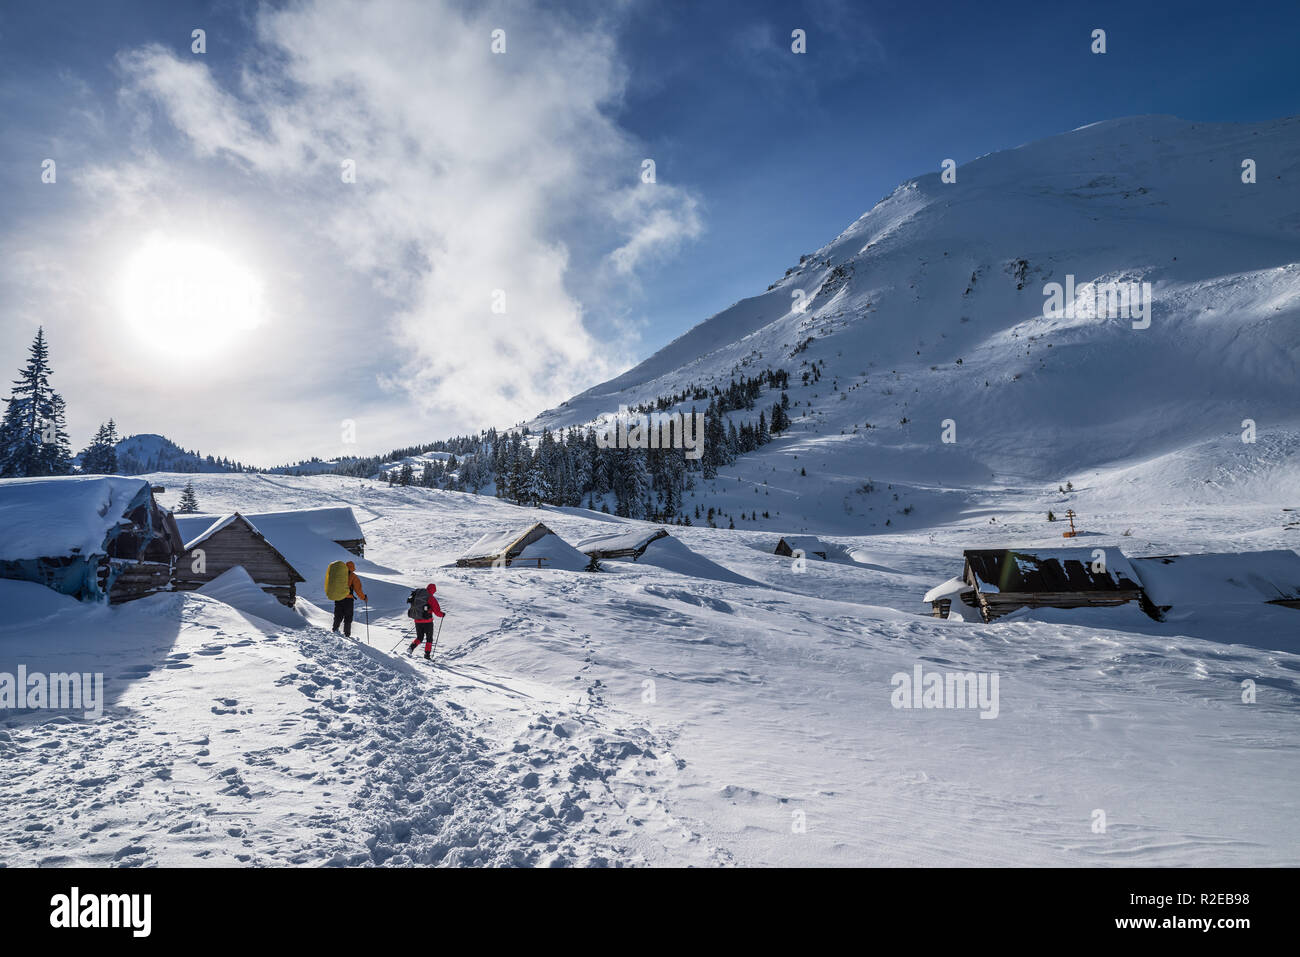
(628, 540)
(42, 517)
(1051, 569)
(337, 523)
(217, 526)
(1220, 578)
(949, 589)
(492, 544)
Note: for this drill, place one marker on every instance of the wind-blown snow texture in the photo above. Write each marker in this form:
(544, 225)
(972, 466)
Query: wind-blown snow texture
(713, 703)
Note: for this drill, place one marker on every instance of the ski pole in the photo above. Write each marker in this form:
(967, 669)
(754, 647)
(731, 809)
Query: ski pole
(367, 621)
(436, 637)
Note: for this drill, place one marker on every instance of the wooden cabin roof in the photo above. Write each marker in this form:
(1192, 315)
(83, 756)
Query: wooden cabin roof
(808, 544)
(236, 521)
(1049, 570)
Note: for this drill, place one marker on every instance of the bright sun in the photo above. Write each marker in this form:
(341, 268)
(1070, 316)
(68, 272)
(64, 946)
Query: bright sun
(188, 298)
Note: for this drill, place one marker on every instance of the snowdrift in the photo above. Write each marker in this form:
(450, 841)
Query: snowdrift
(1225, 578)
(236, 588)
(673, 555)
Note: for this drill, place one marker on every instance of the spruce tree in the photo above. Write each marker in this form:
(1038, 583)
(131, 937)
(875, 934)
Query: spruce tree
(100, 456)
(189, 501)
(33, 437)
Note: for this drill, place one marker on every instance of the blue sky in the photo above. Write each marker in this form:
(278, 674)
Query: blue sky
(518, 174)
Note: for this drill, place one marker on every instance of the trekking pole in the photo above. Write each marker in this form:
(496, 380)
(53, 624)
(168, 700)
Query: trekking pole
(367, 621)
(398, 645)
(436, 637)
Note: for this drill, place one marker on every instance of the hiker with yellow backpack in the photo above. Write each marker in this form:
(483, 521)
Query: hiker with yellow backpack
(343, 587)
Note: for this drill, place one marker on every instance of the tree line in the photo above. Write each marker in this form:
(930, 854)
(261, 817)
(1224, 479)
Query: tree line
(569, 468)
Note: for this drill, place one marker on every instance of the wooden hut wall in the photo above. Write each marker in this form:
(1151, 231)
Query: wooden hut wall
(236, 544)
(357, 546)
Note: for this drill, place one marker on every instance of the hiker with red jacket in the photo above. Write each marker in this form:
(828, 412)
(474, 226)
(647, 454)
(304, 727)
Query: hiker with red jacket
(424, 608)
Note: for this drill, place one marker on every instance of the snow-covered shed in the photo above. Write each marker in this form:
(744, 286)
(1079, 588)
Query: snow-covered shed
(940, 597)
(626, 544)
(1002, 580)
(1221, 578)
(95, 537)
(810, 545)
(233, 541)
(533, 544)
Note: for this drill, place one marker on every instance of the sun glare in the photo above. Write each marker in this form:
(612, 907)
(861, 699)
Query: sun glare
(188, 298)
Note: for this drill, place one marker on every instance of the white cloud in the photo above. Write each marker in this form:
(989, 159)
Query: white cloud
(473, 172)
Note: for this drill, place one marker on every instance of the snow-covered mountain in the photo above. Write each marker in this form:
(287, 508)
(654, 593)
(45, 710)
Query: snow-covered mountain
(931, 307)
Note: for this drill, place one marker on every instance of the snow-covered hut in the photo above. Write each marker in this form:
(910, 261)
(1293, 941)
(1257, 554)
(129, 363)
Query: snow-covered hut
(233, 541)
(1225, 578)
(810, 545)
(626, 544)
(95, 537)
(1002, 579)
(940, 597)
(533, 544)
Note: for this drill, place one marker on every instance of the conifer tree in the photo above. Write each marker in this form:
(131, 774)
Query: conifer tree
(189, 501)
(33, 437)
(100, 456)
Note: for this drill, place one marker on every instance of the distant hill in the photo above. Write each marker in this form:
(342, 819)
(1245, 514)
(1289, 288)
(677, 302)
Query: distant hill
(148, 452)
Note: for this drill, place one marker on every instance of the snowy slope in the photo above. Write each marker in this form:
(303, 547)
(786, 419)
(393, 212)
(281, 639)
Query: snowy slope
(650, 714)
(929, 307)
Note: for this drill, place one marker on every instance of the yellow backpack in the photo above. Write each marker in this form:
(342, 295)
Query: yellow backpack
(336, 581)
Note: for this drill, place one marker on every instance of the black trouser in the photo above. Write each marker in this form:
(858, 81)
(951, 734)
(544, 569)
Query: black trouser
(423, 630)
(343, 613)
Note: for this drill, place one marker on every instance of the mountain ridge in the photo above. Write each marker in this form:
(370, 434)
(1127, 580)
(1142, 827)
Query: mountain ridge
(929, 307)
